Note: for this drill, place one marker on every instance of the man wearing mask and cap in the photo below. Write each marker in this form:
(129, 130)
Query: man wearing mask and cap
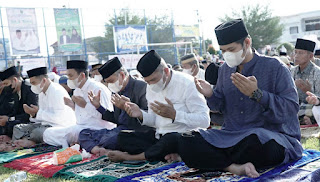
(190, 65)
(259, 102)
(95, 73)
(306, 76)
(86, 114)
(51, 110)
(174, 106)
(63, 82)
(22, 94)
(125, 88)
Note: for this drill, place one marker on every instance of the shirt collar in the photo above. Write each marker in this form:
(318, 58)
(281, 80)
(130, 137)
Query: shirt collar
(172, 79)
(252, 62)
(307, 69)
(48, 90)
(128, 85)
(86, 85)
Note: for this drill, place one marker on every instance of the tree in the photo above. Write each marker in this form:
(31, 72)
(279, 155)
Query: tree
(211, 49)
(159, 29)
(286, 45)
(207, 43)
(263, 28)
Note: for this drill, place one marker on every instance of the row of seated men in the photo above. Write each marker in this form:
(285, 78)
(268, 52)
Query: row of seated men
(166, 116)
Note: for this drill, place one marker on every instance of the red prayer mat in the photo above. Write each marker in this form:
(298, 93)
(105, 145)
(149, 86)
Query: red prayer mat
(41, 164)
(308, 126)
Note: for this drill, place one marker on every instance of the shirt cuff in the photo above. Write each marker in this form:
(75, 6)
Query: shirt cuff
(179, 117)
(264, 101)
(101, 109)
(38, 114)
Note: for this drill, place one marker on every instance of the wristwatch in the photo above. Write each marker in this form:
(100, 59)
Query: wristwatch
(256, 95)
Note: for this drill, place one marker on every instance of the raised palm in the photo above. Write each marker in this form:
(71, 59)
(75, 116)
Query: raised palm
(203, 87)
(95, 99)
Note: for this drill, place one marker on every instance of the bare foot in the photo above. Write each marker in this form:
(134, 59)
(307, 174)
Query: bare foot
(172, 158)
(6, 147)
(117, 156)
(100, 151)
(24, 143)
(247, 169)
(4, 138)
(307, 120)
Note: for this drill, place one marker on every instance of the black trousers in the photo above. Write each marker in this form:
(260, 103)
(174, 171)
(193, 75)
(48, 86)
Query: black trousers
(135, 142)
(196, 152)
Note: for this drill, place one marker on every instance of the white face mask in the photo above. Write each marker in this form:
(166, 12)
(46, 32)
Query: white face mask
(234, 59)
(159, 86)
(188, 71)
(98, 78)
(36, 88)
(115, 87)
(73, 84)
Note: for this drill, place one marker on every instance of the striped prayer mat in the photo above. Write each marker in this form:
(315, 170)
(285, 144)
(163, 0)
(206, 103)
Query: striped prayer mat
(307, 167)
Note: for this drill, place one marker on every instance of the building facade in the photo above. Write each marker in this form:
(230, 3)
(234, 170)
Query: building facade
(303, 25)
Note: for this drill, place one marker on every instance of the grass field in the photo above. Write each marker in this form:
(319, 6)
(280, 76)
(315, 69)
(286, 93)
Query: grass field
(309, 143)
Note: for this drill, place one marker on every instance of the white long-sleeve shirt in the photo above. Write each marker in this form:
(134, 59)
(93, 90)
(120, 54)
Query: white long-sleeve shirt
(52, 110)
(201, 74)
(87, 118)
(191, 108)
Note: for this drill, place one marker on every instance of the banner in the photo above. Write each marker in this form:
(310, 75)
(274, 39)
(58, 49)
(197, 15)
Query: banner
(23, 30)
(126, 37)
(31, 63)
(129, 61)
(186, 31)
(68, 29)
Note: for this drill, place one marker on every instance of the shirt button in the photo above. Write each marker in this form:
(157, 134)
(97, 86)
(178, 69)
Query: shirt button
(241, 98)
(241, 112)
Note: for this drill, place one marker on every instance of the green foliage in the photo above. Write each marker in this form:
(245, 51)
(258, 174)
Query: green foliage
(211, 50)
(288, 46)
(207, 43)
(264, 28)
(159, 30)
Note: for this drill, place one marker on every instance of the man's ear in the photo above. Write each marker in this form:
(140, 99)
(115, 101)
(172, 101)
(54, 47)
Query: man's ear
(247, 42)
(166, 71)
(43, 82)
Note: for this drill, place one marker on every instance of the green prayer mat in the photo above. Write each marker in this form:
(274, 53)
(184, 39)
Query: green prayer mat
(102, 169)
(26, 152)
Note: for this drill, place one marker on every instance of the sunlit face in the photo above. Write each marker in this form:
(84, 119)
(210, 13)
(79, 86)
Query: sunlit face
(153, 78)
(302, 56)
(72, 74)
(111, 79)
(186, 66)
(35, 80)
(232, 47)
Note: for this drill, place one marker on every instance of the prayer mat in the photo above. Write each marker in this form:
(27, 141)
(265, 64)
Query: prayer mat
(26, 152)
(308, 166)
(310, 132)
(41, 164)
(308, 126)
(102, 169)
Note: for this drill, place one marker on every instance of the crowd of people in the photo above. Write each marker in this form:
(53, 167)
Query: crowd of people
(160, 112)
